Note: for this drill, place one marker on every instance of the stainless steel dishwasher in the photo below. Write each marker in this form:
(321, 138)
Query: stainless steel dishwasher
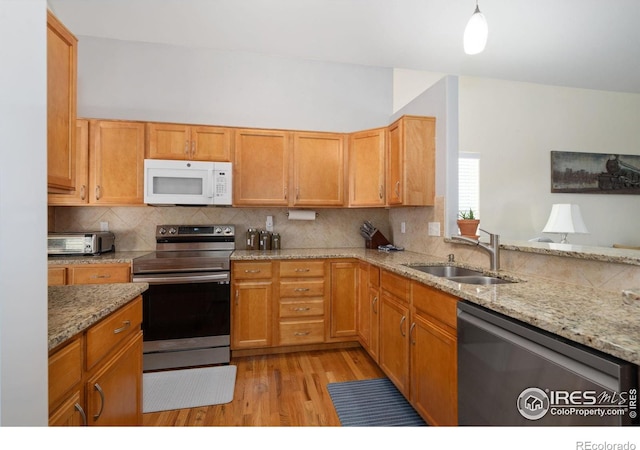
(513, 374)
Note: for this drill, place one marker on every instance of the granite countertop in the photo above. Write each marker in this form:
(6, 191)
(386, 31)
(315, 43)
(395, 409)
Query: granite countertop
(74, 308)
(603, 320)
(105, 258)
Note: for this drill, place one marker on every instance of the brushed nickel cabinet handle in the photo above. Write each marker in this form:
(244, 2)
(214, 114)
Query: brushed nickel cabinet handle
(402, 321)
(252, 271)
(97, 387)
(237, 296)
(413, 340)
(374, 304)
(398, 188)
(186, 148)
(82, 414)
(380, 192)
(301, 289)
(301, 309)
(126, 324)
(106, 275)
(83, 192)
(193, 149)
(98, 192)
(302, 333)
(303, 270)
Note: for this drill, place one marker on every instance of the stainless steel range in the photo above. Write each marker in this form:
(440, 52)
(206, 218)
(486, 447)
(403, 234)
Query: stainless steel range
(186, 310)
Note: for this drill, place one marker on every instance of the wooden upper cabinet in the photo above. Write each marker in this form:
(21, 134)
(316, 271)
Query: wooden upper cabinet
(116, 161)
(80, 195)
(61, 106)
(318, 169)
(188, 142)
(367, 168)
(410, 175)
(261, 168)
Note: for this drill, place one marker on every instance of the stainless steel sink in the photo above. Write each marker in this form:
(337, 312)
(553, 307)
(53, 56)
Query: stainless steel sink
(446, 271)
(460, 274)
(479, 279)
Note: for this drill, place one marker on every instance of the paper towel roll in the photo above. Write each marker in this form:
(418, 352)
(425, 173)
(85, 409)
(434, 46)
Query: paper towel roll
(302, 214)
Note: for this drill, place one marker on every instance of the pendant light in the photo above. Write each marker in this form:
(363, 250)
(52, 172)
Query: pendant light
(475, 34)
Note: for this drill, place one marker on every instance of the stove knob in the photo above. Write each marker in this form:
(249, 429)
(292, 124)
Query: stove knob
(218, 230)
(162, 230)
(227, 230)
(172, 230)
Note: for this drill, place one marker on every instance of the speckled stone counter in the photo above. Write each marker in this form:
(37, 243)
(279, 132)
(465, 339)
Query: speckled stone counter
(603, 320)
(73, 309)
(105, 258)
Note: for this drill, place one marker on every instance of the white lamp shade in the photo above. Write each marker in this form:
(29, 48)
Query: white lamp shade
(565, 218)
(475, 34)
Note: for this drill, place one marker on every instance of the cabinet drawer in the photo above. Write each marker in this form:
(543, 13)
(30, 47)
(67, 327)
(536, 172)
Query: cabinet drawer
(65, 371)
(57, 276)
(251, 270)
(435, 303)
(114, 329)
(100, 274)
(301, 268)
(300, 288)
(302, 308)
(395, 284)
(301, 332)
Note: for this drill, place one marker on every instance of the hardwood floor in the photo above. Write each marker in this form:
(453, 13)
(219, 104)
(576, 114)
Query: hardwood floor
(279, 390)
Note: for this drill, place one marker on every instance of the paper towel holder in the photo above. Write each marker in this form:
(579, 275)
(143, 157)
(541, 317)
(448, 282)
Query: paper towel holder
(287, 213)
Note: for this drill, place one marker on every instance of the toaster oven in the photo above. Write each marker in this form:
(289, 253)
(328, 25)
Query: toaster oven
(80, 243)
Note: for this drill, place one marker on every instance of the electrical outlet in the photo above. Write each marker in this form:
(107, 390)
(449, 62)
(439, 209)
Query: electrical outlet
(104, 226)
(403, 227)
(434, 228)
(269, 223)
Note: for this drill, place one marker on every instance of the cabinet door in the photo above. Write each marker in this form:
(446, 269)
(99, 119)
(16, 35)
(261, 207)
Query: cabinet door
(394, 341)
(344, 294)
(261, 168)
(364, 308)
(434, 374)
(395, 164)
(114, 392)
(211, 144)
(61, 106)
(116, 162)
(80, 195)
(318, 169)
(366, 168)
(168, 141)
(251, 315)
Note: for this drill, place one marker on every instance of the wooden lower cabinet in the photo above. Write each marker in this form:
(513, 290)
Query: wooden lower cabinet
(114, 391)
(394, 341)
(344, 294)
(106, 388)
(89, 274)
(251, 308)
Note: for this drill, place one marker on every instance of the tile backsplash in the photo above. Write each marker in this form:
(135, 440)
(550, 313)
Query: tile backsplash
(134, 226)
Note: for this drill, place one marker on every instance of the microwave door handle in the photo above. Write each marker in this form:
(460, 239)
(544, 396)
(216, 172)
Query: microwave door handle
(210, 184)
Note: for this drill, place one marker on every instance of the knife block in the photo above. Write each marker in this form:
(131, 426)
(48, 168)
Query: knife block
(376, 240)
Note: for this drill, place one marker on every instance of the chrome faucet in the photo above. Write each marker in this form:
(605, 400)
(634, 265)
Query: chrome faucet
(493, 247)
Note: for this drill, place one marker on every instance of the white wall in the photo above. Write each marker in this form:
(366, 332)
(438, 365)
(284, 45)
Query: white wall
(156, 82)
(409, 84)
(514, 126)
(23, 213)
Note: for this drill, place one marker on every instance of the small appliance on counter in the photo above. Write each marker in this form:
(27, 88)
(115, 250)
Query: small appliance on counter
(80, 243)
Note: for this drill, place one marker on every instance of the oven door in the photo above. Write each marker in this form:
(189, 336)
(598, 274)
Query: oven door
(186, 319)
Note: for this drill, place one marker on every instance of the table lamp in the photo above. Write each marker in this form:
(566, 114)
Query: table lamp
(565, 219)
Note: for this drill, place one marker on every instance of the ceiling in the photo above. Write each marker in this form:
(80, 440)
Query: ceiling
(592, 44)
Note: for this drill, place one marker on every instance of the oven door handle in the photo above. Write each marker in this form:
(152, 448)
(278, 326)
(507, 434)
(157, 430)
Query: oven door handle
(169, 279)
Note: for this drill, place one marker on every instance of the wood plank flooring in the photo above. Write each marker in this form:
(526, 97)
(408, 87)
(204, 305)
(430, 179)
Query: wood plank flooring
(279, 390)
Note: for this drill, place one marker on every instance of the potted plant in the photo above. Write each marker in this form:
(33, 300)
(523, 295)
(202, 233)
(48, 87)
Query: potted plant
(468, 224)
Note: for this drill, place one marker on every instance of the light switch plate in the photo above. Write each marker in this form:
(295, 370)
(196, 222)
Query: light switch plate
(104, 226)
(434, 228)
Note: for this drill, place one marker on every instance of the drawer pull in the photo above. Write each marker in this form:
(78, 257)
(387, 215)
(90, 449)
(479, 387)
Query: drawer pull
(303, 270)
(302, 309)
(99, 389)
(126, 324)
(105, 275)
(301, 289)
(82, 414)
(252, 271)
(302, 333)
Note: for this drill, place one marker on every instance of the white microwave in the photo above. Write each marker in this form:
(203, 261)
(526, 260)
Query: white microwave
(169, 182)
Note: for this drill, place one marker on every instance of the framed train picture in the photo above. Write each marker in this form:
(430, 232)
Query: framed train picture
(595, 173)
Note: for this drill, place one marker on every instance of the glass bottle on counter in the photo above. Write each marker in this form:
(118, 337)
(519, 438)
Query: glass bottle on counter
(275, 241)
(252, 239)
